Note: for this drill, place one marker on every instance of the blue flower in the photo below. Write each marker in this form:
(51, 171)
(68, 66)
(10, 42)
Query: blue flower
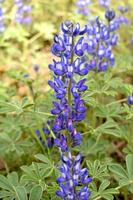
(49, 142)
(76, 137)
(104, 3)
(2, 24)
(73, 180)
(130, 99)
(79, 50)
(101, 38)
(82, 6)
(36, 67)
(22, 14)
(123, 9)
(64, 71)
(131, 40)
(110, 15)
(61, 142)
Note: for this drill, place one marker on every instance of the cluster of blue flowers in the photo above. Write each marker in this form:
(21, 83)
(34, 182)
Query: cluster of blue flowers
(100, 39)
(22, 14)
(122, 19)
(2, 25)
(82, 6)
(72, 177)
(79, 50)
(69, 108)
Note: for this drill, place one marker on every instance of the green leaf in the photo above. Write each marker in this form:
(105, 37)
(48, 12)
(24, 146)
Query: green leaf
(104, 185)
(36, 193)
(20, 193)
(129, 164)
(97, 170)
(4, 193)
(13, 178)
(43, 158)
(8, 107)
(29, 173)
(108, 196)
(119, 170)
(4, 184)
(110, 127)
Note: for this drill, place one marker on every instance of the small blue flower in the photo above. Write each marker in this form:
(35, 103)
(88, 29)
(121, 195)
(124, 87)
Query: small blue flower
(103, 66)
(2, 24)
(82, 6)
(122, 20)
(36, 67)
(22, 14)
(79, 47)
(49, 140)
(110, 15)
(76, 137)
(123, 9)
(104, 3)
(61, 142)
(130, 99)
(131, 40)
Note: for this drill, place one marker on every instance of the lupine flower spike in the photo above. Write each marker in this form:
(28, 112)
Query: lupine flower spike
(100, 40)
(72, 178)
(69, 108)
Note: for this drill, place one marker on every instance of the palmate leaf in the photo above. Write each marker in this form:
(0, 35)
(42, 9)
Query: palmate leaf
(92, 147)
(97, 170)
(103, 192)
(8, 107)
(125, 177)
(12, 142)
(110, 127)
(37, 172)
(11, 188)
(15, 106)
(110, 111)
(4, 183)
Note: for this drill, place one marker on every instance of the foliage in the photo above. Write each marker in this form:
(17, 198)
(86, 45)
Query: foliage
(29, 169)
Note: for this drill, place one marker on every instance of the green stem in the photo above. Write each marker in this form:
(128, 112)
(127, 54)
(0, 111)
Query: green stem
(44, 138)
(36, 137)
(70, 82)
(99, 197)
(69, 92)
(119, 101)
(52, 133)
(32, 94)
